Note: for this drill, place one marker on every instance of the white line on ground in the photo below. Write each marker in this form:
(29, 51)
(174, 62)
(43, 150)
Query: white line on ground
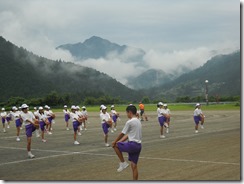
(109, 155)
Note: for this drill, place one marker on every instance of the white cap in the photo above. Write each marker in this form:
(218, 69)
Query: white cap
(77, 107)
(112, 106)
(73, 107)
(101, 106)
(165, 105)
(35, 108)
(84, 107)
(104, 107)
(65, 106)
(24, 106)
(160, 103)
(197, 104)
(40, 108)
(46, 106)
(3, 109)
(49, 107)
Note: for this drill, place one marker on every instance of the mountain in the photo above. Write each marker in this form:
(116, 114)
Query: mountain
(222, 71)
(25, 74)
(96, 47)
(149, 79)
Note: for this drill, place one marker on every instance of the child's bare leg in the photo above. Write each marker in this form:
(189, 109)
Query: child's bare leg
(134, 171)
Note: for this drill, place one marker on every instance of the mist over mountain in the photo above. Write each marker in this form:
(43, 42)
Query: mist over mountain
(223, 73)
(96, 47)
(134, 67)
(149, 79)
(25, 74)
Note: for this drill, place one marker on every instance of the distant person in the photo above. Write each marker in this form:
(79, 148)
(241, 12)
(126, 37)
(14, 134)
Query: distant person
(142, 111)
(198, 116)
(43, 121)
(49, 114)
(76, 122)
(168, 113)
(106, 122)
(78, 112)
(85, 115)
(66, 116)
(162, 115)
(16, 115)
(115, 116)
(8, 118)
(36, 112)
(30, 123)
(3, 116)
(132, 132)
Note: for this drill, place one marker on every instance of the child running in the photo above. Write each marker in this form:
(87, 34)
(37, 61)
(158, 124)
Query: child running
(132, 132)
(66, 116)
(29, 121)
(49, 115)
(106, 122)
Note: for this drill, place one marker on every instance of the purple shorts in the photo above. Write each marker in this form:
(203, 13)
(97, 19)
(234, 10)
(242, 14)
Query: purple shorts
(29, 129)
(42, 125)
(66, 117)
(114, 118)
(197, 119)
(3, 120)
(76, 124)
(105, 127)
(50, 119)
(161, 120)
(18, 123)
(132, 148)
(8, 119)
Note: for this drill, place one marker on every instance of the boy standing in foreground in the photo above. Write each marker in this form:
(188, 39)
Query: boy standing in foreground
(132, 132)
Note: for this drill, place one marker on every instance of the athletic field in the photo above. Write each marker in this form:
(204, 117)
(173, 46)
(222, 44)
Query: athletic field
(212, 154)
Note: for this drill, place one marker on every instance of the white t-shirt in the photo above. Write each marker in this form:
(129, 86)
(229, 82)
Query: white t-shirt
(48, 113)
(15, 115)
(27, 116)
(66, 112)
(3, 114)
(133, 129)
(36, 113)
(197, 112)
(167, 111)
(41, 117)
(104, 117)
(84, 113)
(74, 116)
(160, 112)
(113, 112)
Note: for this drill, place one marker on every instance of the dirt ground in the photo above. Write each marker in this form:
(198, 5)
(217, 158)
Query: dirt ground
(212, 154)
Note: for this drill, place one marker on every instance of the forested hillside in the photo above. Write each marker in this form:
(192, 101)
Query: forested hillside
(27, 75)
(223, 73)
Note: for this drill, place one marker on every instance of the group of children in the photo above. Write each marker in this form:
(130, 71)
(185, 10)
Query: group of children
(43, 118)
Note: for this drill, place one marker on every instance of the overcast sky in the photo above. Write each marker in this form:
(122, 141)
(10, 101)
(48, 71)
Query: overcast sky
(170, 31)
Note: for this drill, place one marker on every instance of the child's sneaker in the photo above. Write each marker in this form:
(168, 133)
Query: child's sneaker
(162, 136)
(79, 133)
(17, 139)
(196, 131)
(106, 144)
(76, 143)
(67, 128)
(122, 166)
(43, 140)
(30, 155)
